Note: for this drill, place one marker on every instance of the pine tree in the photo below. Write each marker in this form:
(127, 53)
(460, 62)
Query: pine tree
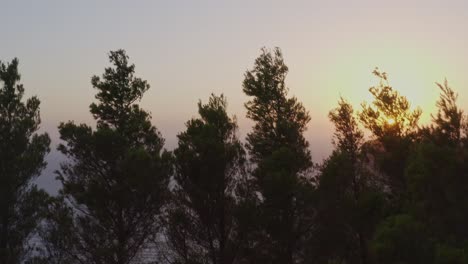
(449, 120)
(347, 196)
(209, 162)
(393, 125)
(390, 113)
(437, 178)
(116, 176)
(22, 153)
(281, 158)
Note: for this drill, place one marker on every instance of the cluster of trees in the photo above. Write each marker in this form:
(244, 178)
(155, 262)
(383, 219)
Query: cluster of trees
(399, 195)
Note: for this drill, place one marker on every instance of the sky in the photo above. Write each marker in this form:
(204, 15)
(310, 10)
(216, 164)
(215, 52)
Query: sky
(187, 50)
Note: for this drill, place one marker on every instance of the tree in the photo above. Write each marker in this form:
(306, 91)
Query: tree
(348, 203)
(402, 239)
(431, 225)
(348, 138)
(390, 114)
(22, 152)
(348, 141)
(282, 159)
(437, 176)
(116, 176)
(393, 125)
(57, 234)
(209, 162)
(449, 118)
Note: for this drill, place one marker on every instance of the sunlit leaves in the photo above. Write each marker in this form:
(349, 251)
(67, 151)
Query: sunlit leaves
(388, 105)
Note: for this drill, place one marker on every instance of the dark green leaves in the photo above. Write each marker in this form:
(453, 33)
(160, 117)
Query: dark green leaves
(203, 222)
(117, 91)
(116, 177)
(22, 153)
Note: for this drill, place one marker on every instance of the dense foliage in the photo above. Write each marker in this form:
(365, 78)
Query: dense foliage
(115, 180)
(392, 190)
(203, 224)
(22, 153)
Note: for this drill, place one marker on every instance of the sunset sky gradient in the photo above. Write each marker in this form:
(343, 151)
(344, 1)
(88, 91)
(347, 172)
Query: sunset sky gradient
(188, 49)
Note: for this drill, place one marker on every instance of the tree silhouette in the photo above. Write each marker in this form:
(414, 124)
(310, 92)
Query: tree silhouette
(390, 113)
(22, 152)
(348, 200)
(448, 122)
(116, 176)
(209, 162)
(437, 178)
(280, 153)
(393, 125)
(402, 239)
(399, 195)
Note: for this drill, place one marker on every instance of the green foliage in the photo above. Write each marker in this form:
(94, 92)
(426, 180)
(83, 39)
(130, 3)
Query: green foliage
(350, 204)
(398, 196)
(282, 158)
(393, 125)
(335, 236)
(445, 254)
(57, 234)
(22, 152)
(437, 178)
(402, 239)
(209, 164)
(390, 113)
(449, 118)
(433, 228)
(279, 121)
(348, 137)
(116, 176)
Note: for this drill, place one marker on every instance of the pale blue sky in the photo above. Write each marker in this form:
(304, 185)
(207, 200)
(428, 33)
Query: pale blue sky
(188, 49)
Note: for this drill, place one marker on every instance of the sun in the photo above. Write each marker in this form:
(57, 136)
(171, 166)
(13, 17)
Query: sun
(391, 121)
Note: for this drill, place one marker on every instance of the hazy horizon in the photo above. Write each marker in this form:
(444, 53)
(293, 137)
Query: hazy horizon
(187, 51)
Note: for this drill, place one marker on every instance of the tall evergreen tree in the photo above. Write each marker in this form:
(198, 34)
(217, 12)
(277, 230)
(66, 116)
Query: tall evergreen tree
(116, 176)
(22, 152)
(393, 124)
(281, 158)
(431, 227)
(348, 206)
(209, 162)
(438, 178)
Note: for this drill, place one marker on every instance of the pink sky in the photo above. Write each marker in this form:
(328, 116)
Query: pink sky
(188, 49)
